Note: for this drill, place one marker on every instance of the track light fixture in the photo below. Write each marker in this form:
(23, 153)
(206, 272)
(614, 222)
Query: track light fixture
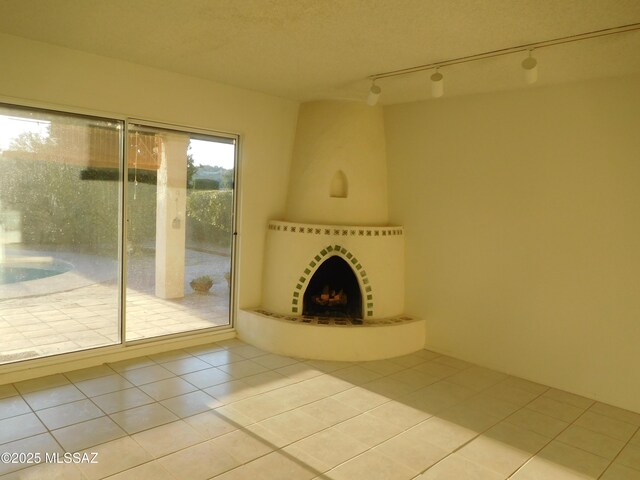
(530, 66)
(374, 94)
(437, 84)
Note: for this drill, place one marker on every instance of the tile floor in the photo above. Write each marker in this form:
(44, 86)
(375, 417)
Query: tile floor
(230, 411)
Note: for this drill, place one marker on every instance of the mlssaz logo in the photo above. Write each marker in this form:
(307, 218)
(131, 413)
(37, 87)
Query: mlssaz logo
(68, 457)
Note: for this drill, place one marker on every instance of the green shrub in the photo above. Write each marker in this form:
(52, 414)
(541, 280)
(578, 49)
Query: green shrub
(210, 212)
(58, 207)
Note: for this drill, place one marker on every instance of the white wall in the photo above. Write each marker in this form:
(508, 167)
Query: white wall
(522, 221)
(39, 72)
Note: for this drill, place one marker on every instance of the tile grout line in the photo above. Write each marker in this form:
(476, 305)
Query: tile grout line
(435, 414)
(569, 424)
(621, 450)
(487, 429)
(576, 447)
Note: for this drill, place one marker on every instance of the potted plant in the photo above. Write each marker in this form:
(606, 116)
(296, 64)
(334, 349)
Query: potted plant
(202, 284)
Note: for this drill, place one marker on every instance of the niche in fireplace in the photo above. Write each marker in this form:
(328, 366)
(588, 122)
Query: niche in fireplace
(333, 291)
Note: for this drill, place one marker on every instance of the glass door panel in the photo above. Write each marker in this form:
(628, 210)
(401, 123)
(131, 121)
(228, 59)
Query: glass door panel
(59, 232)
(179, 231)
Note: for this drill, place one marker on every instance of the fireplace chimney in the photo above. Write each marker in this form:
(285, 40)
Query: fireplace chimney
(339, 169)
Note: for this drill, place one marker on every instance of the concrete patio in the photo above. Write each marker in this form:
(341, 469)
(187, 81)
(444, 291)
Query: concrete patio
(79, 309)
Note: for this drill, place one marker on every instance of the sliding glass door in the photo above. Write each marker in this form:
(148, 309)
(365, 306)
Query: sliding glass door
(110, 232)
(179, 231)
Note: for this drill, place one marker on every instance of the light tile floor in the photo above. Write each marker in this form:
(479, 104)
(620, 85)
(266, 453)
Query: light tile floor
(231, 411)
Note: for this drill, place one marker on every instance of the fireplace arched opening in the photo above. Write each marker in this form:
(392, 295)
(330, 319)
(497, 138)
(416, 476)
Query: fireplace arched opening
(333, 291)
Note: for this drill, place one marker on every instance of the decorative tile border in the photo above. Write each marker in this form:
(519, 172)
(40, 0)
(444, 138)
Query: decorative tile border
(335, 230)
(330, 251)
(336, 321)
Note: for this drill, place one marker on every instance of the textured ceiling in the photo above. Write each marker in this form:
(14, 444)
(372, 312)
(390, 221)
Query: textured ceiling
(313, 49)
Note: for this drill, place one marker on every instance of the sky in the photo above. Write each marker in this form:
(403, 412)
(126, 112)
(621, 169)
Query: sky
(212, 153)
(11, 127)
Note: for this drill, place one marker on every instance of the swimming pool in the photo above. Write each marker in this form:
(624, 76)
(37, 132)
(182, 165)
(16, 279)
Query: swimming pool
(24, 273)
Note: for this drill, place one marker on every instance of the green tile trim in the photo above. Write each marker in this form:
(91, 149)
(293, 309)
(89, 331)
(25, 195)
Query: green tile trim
(343, 231)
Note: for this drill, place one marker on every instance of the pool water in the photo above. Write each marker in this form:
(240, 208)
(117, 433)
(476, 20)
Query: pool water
(23, 274)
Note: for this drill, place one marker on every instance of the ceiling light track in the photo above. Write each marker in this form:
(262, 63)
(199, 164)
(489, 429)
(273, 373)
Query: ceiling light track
(508, 51)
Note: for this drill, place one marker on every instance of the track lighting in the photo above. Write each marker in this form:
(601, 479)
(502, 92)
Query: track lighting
(530, 66)
(437, 84)
(374, 94)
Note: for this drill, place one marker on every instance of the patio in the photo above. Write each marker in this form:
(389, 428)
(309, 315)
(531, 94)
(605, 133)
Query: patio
(79, 309)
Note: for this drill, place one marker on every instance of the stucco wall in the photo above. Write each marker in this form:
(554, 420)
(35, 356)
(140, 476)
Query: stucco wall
(48, 75)
(522, 224)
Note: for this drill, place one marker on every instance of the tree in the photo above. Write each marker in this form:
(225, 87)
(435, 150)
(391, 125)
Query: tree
(31, 142)
(227, 179)
(191, 167)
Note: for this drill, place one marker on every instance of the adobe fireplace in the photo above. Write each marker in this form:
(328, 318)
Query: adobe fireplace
(335, 262)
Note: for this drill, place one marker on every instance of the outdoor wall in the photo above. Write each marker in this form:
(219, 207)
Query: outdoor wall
(53, 76)
(522, 222)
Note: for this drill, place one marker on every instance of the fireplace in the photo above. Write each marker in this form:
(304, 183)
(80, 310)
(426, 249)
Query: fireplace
(333, 273)
(333, 291)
